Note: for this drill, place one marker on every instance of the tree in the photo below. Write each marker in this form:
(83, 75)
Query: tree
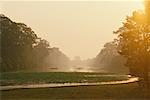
(40, 52)
(22, 49)
(109, 59)
(134, 44)
(20, 46)
(16, 40)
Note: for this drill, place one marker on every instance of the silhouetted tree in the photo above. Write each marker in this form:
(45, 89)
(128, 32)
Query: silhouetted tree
(134, 44)
(18, 44)
(21, 49)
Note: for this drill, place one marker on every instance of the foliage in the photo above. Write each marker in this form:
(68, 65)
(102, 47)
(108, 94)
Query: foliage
(17, 46)
(134, 43)
(110, 60)
(23, 50)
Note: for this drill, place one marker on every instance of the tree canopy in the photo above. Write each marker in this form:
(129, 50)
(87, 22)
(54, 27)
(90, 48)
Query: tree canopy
(21, 48)
(134, 43)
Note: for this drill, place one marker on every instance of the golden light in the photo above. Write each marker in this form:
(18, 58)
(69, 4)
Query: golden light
(140, 4)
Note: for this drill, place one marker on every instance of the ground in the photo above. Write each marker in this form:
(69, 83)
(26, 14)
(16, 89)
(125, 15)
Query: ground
(129, 91)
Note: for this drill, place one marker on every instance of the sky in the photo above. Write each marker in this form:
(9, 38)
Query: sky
(78, 28)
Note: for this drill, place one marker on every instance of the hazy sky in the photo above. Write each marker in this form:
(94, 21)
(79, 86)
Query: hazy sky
(78, 28)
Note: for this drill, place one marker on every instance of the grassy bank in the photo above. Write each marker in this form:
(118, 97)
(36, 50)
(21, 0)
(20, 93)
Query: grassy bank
(18, 78)
(106, 92)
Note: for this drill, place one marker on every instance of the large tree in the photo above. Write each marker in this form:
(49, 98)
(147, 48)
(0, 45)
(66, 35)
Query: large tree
(22, 49)
(19, 46)
(134, 44)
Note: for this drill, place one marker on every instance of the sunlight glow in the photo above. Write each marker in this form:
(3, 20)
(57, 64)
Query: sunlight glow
(140, 4)
(82, 22)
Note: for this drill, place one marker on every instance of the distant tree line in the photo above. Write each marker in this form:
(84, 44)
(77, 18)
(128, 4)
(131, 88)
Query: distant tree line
(109, 60)
(57, 61)
(21, 48)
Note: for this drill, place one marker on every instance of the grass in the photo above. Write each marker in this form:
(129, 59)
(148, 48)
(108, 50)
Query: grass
(17, 78)
(106, 92)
